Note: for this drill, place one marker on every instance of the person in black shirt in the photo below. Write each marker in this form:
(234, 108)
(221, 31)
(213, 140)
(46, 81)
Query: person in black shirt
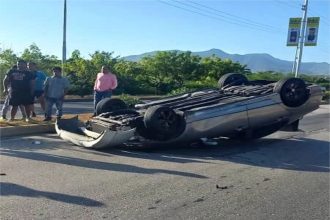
(6, 106)
(21, 82)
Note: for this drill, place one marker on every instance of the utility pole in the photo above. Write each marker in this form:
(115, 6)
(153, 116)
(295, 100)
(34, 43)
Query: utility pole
(297, 62)
(64, 38)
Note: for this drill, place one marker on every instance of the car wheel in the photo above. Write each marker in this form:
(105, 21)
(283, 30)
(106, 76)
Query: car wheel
(109, 105)
(293, 91)
(232, 79)
(163, 122)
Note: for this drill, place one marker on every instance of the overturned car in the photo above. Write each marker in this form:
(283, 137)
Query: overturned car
(239, 108)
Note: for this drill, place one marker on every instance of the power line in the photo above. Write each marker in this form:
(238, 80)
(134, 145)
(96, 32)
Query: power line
(289, 4)
(293, 5)
(235, 17)
(203, 14)
(322, 18)
(229, 17)
(216, 17)
(323, 50)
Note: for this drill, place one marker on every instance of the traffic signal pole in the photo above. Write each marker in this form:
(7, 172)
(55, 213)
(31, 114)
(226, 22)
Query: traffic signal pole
(296, 67)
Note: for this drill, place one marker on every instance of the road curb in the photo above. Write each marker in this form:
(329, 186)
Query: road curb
(26, 130)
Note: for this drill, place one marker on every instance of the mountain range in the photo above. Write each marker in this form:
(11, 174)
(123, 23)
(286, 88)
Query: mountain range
(255, 62)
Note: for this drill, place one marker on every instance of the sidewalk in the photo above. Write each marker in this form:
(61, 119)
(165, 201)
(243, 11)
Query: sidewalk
(37, 126)
(19, 128)
(26, 130)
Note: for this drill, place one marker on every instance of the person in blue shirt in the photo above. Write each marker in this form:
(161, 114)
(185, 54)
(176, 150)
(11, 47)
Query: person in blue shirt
(40, 78)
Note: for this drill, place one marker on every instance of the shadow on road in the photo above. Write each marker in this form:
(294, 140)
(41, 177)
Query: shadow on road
(301, 154)
(51, 142)
(11, 189)
(99, 165)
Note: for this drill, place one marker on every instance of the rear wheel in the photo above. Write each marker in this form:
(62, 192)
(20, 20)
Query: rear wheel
(293, 91)
(163, 122)
(232, 79)
(109, 105)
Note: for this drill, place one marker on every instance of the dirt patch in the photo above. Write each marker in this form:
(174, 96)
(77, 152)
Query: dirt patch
(39, 120)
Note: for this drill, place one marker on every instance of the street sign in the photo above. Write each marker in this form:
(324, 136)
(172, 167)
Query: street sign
(294, 31)
(312, 31)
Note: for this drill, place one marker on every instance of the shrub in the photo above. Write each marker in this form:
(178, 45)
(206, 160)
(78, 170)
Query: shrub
(191, 86)
(326, 96)
(130, 100)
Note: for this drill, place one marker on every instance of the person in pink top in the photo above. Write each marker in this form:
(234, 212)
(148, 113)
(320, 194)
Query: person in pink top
(104, 84)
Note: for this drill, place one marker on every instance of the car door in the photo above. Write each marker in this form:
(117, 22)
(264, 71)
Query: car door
(265, 111)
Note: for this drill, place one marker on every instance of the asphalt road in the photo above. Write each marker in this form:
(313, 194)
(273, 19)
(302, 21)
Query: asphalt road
(282, 176)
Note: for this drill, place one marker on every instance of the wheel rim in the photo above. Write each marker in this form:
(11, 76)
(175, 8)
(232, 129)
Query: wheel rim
(294, 92)
(167, 120)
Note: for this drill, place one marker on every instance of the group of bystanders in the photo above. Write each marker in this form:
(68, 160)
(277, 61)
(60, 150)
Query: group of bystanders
(23, 84)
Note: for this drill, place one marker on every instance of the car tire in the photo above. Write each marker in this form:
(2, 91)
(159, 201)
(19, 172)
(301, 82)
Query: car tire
(293, 91)
(163, 122)
(232, 79)
(109, 105)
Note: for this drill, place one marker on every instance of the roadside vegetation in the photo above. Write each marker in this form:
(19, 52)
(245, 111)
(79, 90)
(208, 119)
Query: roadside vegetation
(164, 73)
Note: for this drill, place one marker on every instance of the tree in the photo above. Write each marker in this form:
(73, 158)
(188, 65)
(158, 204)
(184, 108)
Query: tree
(130, 78)
(33, 53)
(44, 62)
(214, 67)
(168, 70)
(162, 73)
(83, 70)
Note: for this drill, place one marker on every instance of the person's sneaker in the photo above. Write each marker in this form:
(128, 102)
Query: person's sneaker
(11, 120)
(3, 118)
(34, 114)
(30, 120)
(47, 119)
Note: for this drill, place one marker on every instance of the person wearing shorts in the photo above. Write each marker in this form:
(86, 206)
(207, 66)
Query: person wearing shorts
(21, 83)
(6, 106)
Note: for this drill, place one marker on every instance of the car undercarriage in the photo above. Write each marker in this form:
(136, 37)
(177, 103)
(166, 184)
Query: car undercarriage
(238, 109)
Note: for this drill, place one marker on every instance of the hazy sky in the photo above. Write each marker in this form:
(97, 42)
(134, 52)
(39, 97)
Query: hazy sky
(129, 27)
